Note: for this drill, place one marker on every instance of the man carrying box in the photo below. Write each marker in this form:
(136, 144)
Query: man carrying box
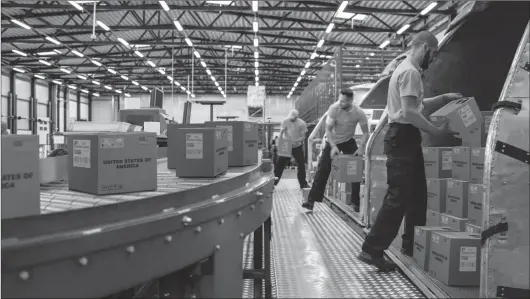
(342, 119)
(293, 129)
(406, 195)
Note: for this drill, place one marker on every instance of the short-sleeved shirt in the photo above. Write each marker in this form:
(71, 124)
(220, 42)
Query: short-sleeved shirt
(405, 81)
(295, 130)
(345, 122)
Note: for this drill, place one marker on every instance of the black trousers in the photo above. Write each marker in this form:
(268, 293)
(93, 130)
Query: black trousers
(407, 190)
(324, 169)
(279, 166)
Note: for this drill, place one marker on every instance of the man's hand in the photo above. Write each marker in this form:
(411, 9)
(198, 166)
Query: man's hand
(334, 151)
(445, 130)
(359, 152)
(449, 97)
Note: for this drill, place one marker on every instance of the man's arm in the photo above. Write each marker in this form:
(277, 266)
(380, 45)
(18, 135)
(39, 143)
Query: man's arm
(330, 124)
(414, 117)
(283, 129)
(363, 123)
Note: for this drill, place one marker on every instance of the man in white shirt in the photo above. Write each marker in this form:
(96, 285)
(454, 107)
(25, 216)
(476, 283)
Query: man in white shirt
(293, 129)
(407, 188)
(341, 121)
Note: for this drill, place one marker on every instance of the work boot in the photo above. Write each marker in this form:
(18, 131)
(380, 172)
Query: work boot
(407, 248)
(379, 262)
(356, 208)
(308, 205)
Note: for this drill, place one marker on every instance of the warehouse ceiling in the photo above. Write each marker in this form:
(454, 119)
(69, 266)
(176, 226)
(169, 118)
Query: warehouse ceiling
(126, 46)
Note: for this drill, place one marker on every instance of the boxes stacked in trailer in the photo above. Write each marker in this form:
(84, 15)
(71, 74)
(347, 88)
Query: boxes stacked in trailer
(448, 247)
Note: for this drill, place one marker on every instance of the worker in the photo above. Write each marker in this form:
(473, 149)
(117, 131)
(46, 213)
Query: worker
(5, 131)
(341, 121)
(293, 129)
(406, 195)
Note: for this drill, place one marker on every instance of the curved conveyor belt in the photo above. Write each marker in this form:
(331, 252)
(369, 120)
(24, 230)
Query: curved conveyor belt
(95, 246)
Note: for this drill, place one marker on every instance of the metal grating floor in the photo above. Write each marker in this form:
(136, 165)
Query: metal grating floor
(314, 255)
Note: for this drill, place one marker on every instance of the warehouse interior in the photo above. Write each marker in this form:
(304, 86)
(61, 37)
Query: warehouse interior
(201, 89)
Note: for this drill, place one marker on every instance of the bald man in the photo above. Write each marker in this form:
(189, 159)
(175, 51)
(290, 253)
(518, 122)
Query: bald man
(407, 188)
(293, 129)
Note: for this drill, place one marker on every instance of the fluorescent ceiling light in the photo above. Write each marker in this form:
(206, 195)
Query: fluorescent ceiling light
(197, 54)
(255, 6)
(427, 9)
(74, 4)
(256, 72)
(40, 77)
(224, 95)
(81, 77)
(161, 71)
(107, 87)
(177, 25)
(19, 52)
(213, 78)
(169, 78)
(289, 96)
(96, 94)
(53, 40)
(295, 84)
(340, 12)
(384, 44)
(372, 54)
(151, 63)
(330, 27)
(47, 53)
(139, 54)
(307, 64)
(256, 64)
(84, 90)
(177, 83)
(164, 5)
(97, 63)
(125, 77)
(188, 92)
(359, 17)
(65, 70)
(255, 26)
(77, 53)
(45, 62)
(96, 82)
(257, 79)
(320, 43)
(124, 42)
(144, 88)
(188, 41)
(192, 95)
(256, 42)
(299, 78)
(183, 88)
(19, 70)
(102, 25)
(21, 24)
(302, 73)
(256, 55)
(219, 87)
(357, 66)
(257, 83)
(117, 91)
(220, 2)
(403, 29)
(135, 83)
(209, 72)
(314, 55)
(367, 58)
(57, 82)
(57, 51)
(216, 83)
(127, 95)
(112, 71)
(72, 87)
(141, 46)
(203, 64)
(233, 47)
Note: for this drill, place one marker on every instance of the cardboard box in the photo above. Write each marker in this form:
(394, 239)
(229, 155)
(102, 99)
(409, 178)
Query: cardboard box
(438, 162)
(422, 244)
(474, 137)
(242, 141)
(487, 116)
(433, 218)
(285, 148)
(463, 115)
(20, 176)
(461, 163)
(172, 143)
(455, 258)
(457, 198)
(477, 165)
(347, 168)
(475, 201)
(204, 152)
(455, 223)
(473, 229)
(111, 163)
(436, 194)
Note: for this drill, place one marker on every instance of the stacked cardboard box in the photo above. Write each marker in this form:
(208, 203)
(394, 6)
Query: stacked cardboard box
(242, 139)
(347, 168)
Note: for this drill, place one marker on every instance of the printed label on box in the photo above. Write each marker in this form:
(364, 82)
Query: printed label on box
(447, 160)
(435, 238)
(111, 143)
(467, 116)
(470, 229)
(351, 168)
(425, 151)
(450, 184)
(194, 146)
(82, 153)
(444, 219)
(247, 127)
(456, 150)
(475, 152)
(473, 189)
(229, 130)
(468, 259)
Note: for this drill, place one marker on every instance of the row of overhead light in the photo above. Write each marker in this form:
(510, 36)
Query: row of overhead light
(255, 28)
(195, 52)
(341, 14)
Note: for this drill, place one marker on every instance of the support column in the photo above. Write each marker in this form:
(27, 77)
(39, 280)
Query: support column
(33, 108)
(66, 108)
(78, 99)
(57, 107)
(89, 107)
(52, 112)
(12, 104)
(338, 74)
(211, 112)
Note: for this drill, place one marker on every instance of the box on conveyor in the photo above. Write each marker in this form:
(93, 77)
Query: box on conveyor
(111, 163)
(461, 166)
(477, 165)
(457, 198)
(433, 218)
(436, 194)
(204, 152)
(20, 176)
(455, 258)
(438, 162)
(422, 244)
(347, 168)
(463, 116)
(285, 147)
(455, 223)
(475, 200)
(172, 143)
(242, 141)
